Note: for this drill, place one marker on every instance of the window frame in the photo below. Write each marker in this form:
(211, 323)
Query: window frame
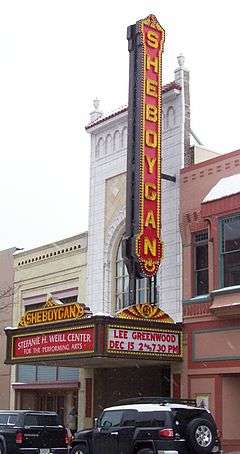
(195, 271)
(221, 253)
(110, 412)
(142, 285)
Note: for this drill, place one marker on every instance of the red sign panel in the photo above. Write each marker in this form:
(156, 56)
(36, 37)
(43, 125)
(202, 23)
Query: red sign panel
(144, 342)
(148, 243)
(54, 343)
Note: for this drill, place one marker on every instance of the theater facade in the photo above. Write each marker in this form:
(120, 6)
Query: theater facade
(80, 318)
(62, 353)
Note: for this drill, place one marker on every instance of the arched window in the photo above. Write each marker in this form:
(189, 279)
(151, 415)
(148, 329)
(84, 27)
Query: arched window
(108, 144)
(170, 118)
(116, 141)
(122, 284)
(99, 148)
(124, 137)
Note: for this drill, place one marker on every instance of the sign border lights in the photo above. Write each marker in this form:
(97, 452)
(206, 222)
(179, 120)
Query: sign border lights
(53, 312)
(143, 246)
(140, 342)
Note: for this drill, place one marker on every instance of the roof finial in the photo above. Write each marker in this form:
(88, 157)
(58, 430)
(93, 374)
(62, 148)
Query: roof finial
(181, 61)
(96, 103)
(95, 114)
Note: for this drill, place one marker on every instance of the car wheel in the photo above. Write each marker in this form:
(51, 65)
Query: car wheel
(78, 450)
(201, 434)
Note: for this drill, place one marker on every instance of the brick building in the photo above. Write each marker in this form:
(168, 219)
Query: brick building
(210, 229)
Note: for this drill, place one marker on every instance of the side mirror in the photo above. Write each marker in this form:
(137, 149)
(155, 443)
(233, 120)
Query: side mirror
(95, 423)
(107, 425)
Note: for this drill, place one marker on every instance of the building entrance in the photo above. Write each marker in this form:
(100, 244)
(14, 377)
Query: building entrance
(51, 401)
(111, 385)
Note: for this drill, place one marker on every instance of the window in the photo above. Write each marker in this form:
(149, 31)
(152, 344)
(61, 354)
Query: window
(122, 284)
(111, 419)
(30, 374)
(122, 281)
(12, 420)
(41, 420)
(129, 418)
(152, 419)
(4, 419)
(116, 141)
(200, 250)
(31, 420)
(230, 251)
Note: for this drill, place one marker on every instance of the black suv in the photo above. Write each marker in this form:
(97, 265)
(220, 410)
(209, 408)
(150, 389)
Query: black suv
(32, 432)
(150, 426)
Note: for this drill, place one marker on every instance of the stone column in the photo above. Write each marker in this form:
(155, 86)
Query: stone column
(85, 399)
(182, 78)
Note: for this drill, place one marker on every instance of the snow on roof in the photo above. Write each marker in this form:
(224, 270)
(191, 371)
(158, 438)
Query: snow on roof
(150, 407)
(139, 407)
(224, 188)
(102, 314)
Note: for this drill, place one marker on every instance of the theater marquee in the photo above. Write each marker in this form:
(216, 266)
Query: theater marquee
(137, 333)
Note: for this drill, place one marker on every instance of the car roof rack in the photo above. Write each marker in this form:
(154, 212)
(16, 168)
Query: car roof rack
(156, 400)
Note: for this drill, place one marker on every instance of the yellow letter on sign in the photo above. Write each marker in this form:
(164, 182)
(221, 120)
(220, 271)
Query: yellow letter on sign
(152, 39)
(150, 246)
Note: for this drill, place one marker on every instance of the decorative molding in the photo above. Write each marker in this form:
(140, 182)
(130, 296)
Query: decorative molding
(145, 311)
(197, 172)
(50, 255)
(197, 309)
(112, 238)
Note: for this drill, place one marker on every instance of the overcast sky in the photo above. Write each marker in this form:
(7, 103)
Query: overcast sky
(56, 56)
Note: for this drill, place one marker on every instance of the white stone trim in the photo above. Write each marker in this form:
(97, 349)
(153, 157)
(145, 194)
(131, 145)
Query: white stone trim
(112, 238)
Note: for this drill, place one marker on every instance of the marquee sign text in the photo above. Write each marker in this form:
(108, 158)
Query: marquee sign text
(142, 342)
(62, 342)
(53, 313)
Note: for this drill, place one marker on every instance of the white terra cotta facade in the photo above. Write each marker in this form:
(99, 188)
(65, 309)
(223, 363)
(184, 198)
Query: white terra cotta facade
(108, 199)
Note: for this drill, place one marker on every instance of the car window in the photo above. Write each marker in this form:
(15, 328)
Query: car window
(4, 419)
(12, 420)
(152, 419)
(32, 419)
(129, 418)
(48, 420)
(111, 419)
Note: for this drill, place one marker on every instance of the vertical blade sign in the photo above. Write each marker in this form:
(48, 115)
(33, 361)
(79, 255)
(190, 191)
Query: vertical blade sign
(144, 148)
(149, 246)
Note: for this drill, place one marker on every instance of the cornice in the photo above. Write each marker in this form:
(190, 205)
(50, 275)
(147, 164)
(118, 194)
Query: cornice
(32, 260)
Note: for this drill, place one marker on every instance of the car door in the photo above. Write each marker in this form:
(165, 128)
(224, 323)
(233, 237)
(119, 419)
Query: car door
(106, 435)
(126, 431)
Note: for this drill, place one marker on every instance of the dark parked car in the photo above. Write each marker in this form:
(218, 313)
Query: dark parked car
(32, 432)
(150, 426)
